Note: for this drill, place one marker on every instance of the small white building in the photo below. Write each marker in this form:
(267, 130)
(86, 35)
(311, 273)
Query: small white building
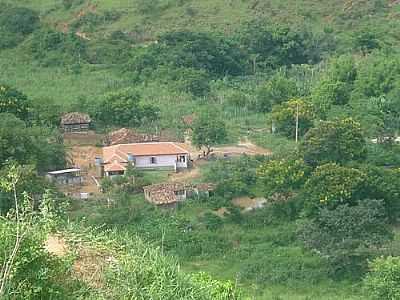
(66, 177)
(155, 155)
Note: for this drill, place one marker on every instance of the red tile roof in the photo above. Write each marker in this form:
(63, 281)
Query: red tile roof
(142, 149)
(115, 166)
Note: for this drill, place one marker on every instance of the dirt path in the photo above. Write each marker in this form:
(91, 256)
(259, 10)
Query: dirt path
(187, 175)
(248, 204)
(83, 157)
(244, 146)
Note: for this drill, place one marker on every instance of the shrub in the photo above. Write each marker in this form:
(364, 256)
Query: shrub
(338, 141)
(383, 279)
(19, 20)
(284, 117)
(211, 221)
(332, 185)
(347, 236)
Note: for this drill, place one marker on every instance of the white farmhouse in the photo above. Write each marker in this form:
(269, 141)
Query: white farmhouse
(156, 155)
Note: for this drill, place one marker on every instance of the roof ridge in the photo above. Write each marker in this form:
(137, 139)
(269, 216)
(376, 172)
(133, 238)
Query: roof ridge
(173, 143)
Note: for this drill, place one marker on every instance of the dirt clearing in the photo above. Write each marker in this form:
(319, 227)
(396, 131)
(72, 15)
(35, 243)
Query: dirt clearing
(56, 245)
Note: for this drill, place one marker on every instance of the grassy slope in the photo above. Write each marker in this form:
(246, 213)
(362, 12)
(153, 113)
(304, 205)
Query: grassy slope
(63, 86)
(205, 15)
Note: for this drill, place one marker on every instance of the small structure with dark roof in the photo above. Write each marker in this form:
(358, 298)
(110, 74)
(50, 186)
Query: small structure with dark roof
(75, 122)
(168, 194)
(65, 177)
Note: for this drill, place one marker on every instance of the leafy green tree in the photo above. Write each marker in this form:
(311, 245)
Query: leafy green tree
(46, 113)
(189, 80)
(14, 102)
(282, 176)
(331, 185)
(336, 85)
(277, 90)
(383, 183)
(348, 235)
(19, 20)
(338, 141)
(378, 75)
(211, 221)
(124, 108)
(54, 48)
(383, 279)
(366, 40)
(208, 130)
(216, 54)
(40, 146)
(275, 45)
(284, 117)
(234, 177)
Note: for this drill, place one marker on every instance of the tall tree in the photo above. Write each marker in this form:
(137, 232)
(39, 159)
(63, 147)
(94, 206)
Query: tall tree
(208, 130)
(40, 146)
(286, 115)
(277, 90)
(14, 102)
(124, 108)
(340, 141)
(348, 236)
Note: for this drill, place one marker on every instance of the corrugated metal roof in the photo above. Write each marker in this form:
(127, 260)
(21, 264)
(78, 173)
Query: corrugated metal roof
(66, 171)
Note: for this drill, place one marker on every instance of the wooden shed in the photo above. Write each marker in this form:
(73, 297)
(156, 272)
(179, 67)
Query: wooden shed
(75, 122)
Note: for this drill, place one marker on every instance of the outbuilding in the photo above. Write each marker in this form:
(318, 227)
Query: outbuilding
(66, 177)
(75, 122)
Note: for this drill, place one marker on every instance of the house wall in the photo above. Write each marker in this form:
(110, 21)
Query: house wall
(65, 179)
(76, 127)
(161, 161)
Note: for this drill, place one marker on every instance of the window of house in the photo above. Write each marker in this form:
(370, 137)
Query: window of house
(153, 160)
(180, 193)
(182, 158)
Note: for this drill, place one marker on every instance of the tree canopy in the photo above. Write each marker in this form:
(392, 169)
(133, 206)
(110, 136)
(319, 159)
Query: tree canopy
(14, 102)
(124, 108)
(208, 130)
(338, 141)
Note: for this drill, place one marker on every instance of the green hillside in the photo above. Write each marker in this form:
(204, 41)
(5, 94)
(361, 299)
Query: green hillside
(290, 107)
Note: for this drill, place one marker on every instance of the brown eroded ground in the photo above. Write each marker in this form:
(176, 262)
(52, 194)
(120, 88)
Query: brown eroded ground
(248, 203)
(90, 262)
(244, 146)
(56, 245)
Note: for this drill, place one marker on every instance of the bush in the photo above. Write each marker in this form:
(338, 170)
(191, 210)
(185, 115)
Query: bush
(348, 236)
(283, 265)
(211, 221)
(284, 117)
(338, 141)
(383, 279)
(19, 20)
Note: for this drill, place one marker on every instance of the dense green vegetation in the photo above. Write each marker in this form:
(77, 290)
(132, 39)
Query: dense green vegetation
(316, 82)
